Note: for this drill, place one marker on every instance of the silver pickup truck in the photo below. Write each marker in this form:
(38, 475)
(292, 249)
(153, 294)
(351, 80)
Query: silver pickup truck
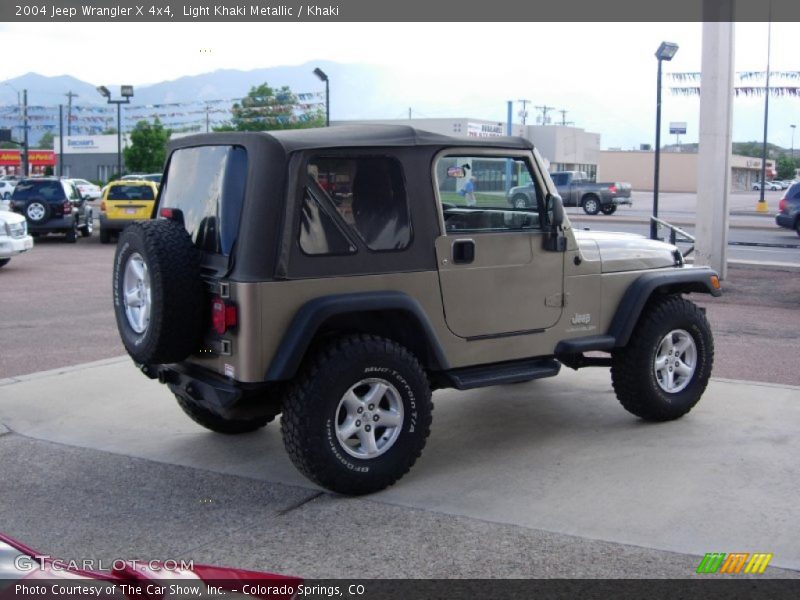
(576, 189)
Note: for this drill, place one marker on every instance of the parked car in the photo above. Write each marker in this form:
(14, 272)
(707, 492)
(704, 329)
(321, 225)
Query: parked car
(6, 188)
(789, 207)
(88, 190)
(14, 238)
(257, 292)
(770, 185)
(53, 205)
(124, 202)
(576, 189)
(154, 177)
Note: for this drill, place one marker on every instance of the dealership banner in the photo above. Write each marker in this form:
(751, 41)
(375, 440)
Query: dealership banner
(410, 10)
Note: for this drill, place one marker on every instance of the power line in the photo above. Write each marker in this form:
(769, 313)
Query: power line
(545, 109)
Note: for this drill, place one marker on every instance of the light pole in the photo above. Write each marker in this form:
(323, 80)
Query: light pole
(665, 52)
(792, 151)
(126, 91)
(323, 77)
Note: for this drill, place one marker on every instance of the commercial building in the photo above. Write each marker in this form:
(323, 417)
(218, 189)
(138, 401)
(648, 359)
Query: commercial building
(678, 170)
(564, 148)
(92, 157)
(39, 161)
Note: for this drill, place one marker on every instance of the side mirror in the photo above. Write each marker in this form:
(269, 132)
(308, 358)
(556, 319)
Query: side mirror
(555, 241)
(555, 206)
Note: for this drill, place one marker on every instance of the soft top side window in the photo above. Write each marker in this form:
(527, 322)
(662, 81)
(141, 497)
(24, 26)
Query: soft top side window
(369, 195)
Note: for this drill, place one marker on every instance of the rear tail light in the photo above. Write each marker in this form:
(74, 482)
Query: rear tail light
(782, 205)
(612, 189)
(103, 206)
(223, 316)
(67, 208)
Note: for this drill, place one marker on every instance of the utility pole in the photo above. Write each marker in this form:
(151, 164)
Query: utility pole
(545, 109)
(564, 121)
(69, 96)
(60, 140)
(524, 113)
(208, 123)
(761, 205)
(25, 133)
(409, 113)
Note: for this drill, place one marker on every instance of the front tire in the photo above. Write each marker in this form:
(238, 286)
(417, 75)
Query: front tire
(664, 370)
(72, 233)
(4, 262)
(591, 204)
(520, 201)
(358, 416)
(88, 227)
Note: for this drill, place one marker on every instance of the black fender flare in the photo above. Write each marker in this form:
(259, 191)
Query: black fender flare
(671, 281)
(313, 314)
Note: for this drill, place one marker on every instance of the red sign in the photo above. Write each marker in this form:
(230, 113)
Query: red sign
(41, 157)
(10, 157)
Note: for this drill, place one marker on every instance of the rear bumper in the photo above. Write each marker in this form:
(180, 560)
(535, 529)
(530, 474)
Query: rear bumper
(785, 220)
(56, 224)
(226, 397)
(622, 200)
(114, 224)
(12, 246)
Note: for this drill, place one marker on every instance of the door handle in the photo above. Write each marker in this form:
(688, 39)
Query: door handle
(463, 251)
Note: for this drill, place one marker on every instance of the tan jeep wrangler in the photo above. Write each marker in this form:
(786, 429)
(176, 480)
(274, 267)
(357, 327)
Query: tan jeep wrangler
(340, 275)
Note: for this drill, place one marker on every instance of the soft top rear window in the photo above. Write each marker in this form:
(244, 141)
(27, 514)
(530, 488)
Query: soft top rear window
(207, 184)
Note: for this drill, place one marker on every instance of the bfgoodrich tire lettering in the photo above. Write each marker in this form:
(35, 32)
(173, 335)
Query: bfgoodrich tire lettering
(633, 368)
(310, 414)
(175, 322)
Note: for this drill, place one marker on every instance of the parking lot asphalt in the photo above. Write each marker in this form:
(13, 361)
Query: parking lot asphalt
(509, 474)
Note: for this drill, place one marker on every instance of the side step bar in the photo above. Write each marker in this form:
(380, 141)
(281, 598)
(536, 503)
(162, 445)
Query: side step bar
(502, 373)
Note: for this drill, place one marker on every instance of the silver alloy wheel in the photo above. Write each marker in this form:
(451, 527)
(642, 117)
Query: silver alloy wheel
(369, 418)
(520, 203)
(136, 293)
(590, 206)
(36, 211)
(89, 224)
(676, 361)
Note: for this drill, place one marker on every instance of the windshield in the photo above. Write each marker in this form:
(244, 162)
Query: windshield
(131, 192)
(207, 184)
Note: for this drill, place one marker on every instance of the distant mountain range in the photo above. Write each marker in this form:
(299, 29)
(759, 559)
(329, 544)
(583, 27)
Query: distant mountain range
(357, 91)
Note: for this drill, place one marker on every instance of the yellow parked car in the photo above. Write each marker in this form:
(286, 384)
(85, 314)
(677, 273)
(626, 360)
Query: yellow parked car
(124, 202)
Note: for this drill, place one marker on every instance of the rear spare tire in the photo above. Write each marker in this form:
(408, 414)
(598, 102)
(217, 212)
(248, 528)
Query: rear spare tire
(158, 293)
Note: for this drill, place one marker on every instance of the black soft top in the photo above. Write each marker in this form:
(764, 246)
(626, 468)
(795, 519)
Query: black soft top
(351, 136)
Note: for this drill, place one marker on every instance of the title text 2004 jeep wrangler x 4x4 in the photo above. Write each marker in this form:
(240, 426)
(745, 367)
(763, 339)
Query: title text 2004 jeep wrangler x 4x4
(339, 275)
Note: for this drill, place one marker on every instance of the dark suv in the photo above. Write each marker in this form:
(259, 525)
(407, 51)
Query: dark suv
(53, 205)
(789, 215)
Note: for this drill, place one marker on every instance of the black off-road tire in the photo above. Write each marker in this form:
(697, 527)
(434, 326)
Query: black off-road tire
(219, 424)
(632, 367)
(4, 262)
(590, 204)
(310, 413)
(105, 236)
(797, 226)
(176, 322)
(609, 209)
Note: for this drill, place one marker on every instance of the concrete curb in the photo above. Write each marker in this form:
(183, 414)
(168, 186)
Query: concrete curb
(63, 370)
(688, 223)
(767, 266)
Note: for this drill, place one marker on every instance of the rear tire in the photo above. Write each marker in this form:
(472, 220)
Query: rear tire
(158, 294)
(520, 201)
(219, 424)
(4, 262)
(664, 370)
(591, 204)
(357, 417)
(105, 236)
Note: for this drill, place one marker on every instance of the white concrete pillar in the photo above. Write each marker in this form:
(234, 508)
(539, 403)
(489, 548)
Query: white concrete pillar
(714, 158)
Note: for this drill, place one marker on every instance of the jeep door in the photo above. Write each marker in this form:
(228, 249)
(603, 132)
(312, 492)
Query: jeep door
(496, 277)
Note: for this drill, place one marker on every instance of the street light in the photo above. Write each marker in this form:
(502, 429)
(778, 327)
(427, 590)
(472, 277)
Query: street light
(666, 51)
(323, 77)
(792, 126)
(126, 91)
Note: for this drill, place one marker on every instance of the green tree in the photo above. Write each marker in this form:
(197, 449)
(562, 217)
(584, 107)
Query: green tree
(265, 108)
(46, 141)
(785, 167)
(148, 147)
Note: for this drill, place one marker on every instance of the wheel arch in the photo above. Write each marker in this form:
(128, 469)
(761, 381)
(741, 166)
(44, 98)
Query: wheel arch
(653, 284)
(391, 314)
